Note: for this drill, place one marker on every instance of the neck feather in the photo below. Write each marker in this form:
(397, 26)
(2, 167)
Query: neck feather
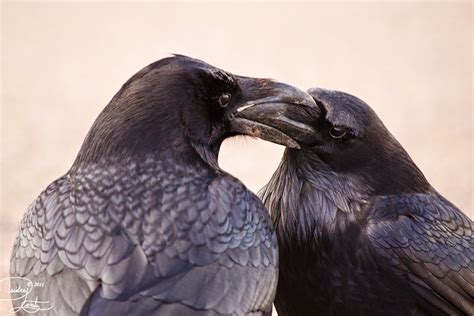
(306, 199)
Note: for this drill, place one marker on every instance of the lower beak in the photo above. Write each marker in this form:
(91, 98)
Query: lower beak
(274, 117)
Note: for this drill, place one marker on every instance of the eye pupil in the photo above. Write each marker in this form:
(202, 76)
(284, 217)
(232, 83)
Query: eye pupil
(337, 132)
(224, 99)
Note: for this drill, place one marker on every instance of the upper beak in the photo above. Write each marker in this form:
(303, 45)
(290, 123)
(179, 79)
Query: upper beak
(271, 111)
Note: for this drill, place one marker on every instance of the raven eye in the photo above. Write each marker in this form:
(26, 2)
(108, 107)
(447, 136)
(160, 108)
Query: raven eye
(337, 132)
(224, 99)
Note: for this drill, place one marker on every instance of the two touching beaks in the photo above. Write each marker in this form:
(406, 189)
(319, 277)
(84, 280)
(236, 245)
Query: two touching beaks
(287, 117)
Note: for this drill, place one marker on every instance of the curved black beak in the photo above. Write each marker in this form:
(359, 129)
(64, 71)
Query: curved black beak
(269, 110)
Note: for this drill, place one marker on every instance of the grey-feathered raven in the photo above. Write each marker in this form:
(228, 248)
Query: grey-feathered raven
(145, 222)
(360, 230)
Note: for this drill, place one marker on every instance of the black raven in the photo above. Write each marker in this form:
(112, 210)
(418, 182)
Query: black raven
(145, 222)
(360, 230)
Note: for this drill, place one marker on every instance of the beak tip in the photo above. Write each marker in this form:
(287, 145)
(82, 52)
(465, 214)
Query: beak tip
(309, 101)
(293, 145)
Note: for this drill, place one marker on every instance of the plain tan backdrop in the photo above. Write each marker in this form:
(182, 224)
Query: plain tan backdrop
(62, 63)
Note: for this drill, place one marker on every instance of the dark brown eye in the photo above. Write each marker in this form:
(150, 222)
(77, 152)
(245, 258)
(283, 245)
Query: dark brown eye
(224, 99)
(338, 132)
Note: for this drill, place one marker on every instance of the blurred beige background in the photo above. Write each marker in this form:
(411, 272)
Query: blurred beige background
(62, 63)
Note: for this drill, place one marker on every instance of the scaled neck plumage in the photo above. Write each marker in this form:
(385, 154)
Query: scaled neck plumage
(305, 203)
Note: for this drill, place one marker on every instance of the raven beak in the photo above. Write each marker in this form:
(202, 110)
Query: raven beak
(270, 111)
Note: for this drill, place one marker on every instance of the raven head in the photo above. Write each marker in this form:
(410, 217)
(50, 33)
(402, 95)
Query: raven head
(179, 106)
(344, 135)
